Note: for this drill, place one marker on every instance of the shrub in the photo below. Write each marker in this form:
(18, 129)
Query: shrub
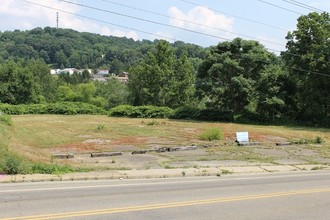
(100, 127)
(12, 164)
(6, 119)
(214, 115)
(211, 134)
(185, 112)
(12, 109)
(62, 108)
(122, 111)
(141, 111)
(318, 140)
(44, 168)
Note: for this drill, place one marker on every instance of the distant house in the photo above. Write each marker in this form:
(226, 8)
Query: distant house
(102, 72)
(123, 77)
(67, 70)
(123, 74)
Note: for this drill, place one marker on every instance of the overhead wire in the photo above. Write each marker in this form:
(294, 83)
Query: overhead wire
(277, 6)
(274, 50)
(98, 20)
(126, 27)
(194, 23)
(145, 20)
(237, 16)
(302, 5)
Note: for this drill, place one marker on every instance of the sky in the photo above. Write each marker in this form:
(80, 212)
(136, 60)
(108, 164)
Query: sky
(201, 22)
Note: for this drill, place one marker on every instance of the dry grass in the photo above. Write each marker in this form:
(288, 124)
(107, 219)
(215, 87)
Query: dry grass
(38, 136)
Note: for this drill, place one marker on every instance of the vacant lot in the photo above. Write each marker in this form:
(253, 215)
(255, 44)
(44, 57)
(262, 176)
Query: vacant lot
(38, 137)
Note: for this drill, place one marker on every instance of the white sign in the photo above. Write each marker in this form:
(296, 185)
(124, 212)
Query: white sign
(242, 136)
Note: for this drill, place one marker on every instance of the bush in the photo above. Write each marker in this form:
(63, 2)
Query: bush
(141, 111)
(12, 109)
(6, 119)
(318, 140)
(214, 115)
(11, 164)
(62, 108)
(44, 168)
(186, 112)
(211, 134)
(122, 111)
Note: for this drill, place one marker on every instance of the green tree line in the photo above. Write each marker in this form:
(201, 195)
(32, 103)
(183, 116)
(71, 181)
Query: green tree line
(239, 80)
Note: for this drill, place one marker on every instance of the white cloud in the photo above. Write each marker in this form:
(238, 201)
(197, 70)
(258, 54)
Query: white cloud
(118, 33)
(164, 36)
(25, 16)
(200, 19)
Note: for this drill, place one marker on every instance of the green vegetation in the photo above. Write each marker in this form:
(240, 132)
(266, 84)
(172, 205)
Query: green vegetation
(27, 145)
(162, 80)
(100, 127)
(237, 81)
(6, 119)
(61, 108)
(211, 134)
(141, 111)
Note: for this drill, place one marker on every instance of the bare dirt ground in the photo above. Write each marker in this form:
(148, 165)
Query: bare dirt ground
(133, 148)
(212, 155)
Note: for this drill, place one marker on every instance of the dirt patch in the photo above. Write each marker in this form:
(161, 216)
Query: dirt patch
(96, 141)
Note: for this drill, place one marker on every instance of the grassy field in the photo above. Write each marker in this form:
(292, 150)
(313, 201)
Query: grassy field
(37, 137)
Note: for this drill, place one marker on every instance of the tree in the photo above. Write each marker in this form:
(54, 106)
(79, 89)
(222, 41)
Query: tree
(227, 77)
(271, 93)
(308, 61)
(114, 91)
(16, 84)
(46, 84)
(162, 80)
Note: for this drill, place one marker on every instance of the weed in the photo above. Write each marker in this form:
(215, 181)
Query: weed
(183, 173)
(100, 127)
(196, 166)
(226, 172)
(147, 166)
(151, 123)
(12, 164)
(211, 134)
(6, 119)
(318, 168)
(319, 140)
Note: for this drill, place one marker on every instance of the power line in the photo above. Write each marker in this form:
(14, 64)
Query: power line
(98, 20)
(192, 22)
(274, 50)
(302, 5)
(167, 25)
(277, 6)
(122, 26)
(239, 17)
(145, 20)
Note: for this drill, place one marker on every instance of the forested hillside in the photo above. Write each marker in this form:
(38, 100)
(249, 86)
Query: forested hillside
(238, 80)
(68, 48)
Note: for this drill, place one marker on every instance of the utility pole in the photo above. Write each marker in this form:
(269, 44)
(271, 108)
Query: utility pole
(57, 20)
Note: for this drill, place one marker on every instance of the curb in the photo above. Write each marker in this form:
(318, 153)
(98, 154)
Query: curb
(160, 173)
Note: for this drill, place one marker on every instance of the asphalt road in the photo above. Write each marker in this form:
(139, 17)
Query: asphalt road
(276, 196)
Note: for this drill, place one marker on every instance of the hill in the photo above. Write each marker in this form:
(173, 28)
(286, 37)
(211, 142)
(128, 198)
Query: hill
(70, 48)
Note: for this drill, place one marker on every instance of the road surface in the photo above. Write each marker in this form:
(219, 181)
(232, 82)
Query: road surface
(304, 195)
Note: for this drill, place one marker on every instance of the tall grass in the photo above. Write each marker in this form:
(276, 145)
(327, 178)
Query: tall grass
(211, 134)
